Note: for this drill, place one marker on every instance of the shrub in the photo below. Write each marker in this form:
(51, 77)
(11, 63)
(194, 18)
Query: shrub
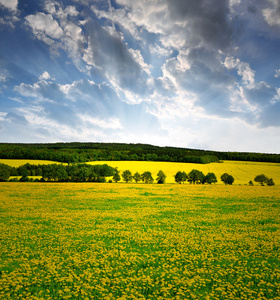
(261, 179)
(13, 180)
(24, 179)
(270, 182)
(227, 179)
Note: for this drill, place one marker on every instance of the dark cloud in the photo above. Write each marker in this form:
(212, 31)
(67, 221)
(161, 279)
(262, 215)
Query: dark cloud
(207, 21)
(252, 9)
(260, 94)
(77, 68)
(205, 77)
(111, 59)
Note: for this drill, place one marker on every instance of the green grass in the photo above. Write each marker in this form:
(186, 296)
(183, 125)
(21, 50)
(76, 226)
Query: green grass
(116, 241)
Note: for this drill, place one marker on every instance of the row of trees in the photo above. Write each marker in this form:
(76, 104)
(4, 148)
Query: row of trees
(262, 179)
(59, 172)
(195, 177)
(98, 173)
(145, 177)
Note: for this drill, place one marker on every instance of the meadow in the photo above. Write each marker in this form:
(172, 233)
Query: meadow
(242, 171)
(138, 241)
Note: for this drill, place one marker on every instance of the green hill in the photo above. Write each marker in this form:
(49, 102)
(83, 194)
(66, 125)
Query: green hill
(85, 152)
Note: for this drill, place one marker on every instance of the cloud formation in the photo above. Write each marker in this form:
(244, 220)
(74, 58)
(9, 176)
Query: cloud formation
(142, 70)
(9, 4)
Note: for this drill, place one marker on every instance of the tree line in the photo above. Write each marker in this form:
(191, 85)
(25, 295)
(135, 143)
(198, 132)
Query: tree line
(262, 179)
(58, 172)
(98, 173)
(85, 152)
(145, 177)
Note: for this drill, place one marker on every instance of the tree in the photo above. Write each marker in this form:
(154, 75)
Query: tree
(147, 177)
(196, 176)
(184, 176)
(161, 177)
(179, 177)
(210, 178)
(24, 179)
(83, 173)
(270, 182)
(4, 172)
(227, 179)
(261, 179)
(72, 172)
(22, 171)
(116, 176)
(127, 176)
(137, 177)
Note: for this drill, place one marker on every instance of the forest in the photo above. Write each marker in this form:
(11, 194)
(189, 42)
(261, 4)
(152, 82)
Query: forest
(85, 152)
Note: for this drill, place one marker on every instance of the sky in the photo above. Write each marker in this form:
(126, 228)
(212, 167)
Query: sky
(201, 74)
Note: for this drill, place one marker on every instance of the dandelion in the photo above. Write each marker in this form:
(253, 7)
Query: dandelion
(177, 243)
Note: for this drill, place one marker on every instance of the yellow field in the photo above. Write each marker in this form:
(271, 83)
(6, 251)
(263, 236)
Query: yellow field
(132, 241)
(242, 172)
(19, 162)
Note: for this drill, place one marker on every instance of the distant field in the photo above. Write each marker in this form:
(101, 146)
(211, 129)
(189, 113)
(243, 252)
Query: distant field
(19, 162)
(242, 172)
(132, 241)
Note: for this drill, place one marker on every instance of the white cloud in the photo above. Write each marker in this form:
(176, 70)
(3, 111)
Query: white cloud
(27, 90)
(181, 23)
(42, 91)
(9, 20)
(10, 4)
(3, 77)
(243, 69)
(140, 60)
(160, 51)
(234, 2)
(73, 41)
(272, 13)
(45, 76)
(58, 29)
(109, 123)
(277, 73)
(43, 24)
(2, 115)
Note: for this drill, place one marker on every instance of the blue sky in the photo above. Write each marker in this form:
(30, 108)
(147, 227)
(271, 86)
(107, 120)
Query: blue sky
(198, 74)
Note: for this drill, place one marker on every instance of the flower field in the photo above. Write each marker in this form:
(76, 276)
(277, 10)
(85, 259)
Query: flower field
(242, 171)
(138, 241)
